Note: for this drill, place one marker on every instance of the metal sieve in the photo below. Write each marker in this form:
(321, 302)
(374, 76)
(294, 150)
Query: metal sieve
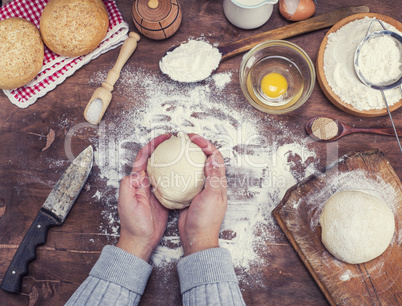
(386, 85)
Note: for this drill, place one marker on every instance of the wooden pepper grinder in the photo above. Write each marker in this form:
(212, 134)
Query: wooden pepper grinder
(157, 19)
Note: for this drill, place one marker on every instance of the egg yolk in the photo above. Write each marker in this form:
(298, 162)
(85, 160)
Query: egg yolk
(274, 85)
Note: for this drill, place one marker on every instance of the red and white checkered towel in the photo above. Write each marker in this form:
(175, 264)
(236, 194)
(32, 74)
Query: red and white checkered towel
(57, 68)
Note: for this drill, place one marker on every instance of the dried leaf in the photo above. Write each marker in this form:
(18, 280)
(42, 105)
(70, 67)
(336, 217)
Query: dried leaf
(50, 137)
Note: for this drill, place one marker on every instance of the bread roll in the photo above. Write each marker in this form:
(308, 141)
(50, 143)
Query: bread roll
(73, 27)
(21, 52)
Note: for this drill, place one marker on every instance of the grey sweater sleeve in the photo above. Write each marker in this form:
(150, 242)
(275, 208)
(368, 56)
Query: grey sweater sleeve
(208, 278)
(117, 278)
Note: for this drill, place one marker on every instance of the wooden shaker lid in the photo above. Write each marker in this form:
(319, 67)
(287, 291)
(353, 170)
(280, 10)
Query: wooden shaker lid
(157, 19)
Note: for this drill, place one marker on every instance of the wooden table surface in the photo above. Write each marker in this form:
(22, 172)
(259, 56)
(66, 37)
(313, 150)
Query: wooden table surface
(27, 174)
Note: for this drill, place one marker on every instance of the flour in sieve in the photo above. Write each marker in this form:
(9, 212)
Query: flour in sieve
(260, 167)
(339, 67)
(380, 60)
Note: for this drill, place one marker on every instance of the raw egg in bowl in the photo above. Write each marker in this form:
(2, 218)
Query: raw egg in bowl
(277, 76)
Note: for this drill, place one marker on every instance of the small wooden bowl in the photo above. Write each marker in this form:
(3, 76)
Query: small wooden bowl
(323, 81)
(157, 19)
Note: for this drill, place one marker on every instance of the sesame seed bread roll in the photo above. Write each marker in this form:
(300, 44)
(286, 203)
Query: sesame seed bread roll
(21, 52)
(73, 27)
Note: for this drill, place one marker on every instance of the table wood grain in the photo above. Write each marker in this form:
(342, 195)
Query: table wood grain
(65, 260)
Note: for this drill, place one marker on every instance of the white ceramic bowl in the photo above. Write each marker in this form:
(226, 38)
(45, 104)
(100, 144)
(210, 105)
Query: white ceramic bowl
(248, 16)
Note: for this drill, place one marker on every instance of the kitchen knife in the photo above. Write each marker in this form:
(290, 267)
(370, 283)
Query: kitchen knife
(52, 213)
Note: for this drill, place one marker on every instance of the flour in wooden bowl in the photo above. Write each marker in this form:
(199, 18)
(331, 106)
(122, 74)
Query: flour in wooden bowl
(339, 66)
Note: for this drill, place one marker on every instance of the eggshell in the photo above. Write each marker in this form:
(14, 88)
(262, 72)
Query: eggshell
(296, 10)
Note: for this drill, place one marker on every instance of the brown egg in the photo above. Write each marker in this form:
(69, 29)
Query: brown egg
(295, 10)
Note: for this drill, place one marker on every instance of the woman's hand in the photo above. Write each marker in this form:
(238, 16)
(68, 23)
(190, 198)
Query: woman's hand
(143, 219)
(200, 223)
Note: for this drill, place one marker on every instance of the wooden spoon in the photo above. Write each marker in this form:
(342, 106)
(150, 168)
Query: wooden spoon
(290, 30)
(102, 96)
(344, 129)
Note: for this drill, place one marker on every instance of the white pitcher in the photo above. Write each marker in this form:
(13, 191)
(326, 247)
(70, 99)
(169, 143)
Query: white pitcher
(248, 14)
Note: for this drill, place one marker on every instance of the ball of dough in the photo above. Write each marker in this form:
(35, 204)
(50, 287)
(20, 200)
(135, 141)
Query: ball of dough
(356, 227)
(176, 171)
(21, 52)
(73, 27)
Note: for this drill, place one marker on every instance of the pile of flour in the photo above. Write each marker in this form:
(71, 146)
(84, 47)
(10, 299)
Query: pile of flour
(339, 66)
(191, 62)
(260, 166)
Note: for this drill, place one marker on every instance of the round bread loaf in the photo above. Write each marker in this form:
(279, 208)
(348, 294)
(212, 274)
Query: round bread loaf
(73, 27)
(21, 52)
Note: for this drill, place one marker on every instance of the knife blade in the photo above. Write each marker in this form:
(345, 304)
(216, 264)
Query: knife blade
(53, 213)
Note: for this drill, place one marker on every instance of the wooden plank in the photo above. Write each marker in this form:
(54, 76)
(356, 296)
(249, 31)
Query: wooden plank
(377, 282)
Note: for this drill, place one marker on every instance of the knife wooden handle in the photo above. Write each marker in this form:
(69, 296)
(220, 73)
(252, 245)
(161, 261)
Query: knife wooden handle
(26, 252)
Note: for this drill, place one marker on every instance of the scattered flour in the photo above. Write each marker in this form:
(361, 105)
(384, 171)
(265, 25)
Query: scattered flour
(339, 67)
(191, 62)
(97, 195)
(346, 275)
(221, 79)
(260, 166)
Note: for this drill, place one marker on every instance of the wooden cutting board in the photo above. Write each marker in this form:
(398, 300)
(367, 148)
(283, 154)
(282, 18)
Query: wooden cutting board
(377, 282)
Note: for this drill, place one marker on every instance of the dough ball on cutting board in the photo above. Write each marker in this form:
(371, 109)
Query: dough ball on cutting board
(356, 227)
(73, 27)
(176, 171)
(21, 52)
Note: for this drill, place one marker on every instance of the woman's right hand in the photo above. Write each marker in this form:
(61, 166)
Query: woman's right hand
(200, 223)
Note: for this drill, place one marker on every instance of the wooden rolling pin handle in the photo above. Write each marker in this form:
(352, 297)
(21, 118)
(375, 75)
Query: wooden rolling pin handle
(290, 30)
(128, 48)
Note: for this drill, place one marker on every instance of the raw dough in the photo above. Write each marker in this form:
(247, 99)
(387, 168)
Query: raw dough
(356, 227)
(21, 52)
(73, 27)
(176, 170)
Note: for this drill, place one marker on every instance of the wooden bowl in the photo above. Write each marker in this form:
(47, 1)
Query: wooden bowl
(323, 81)
(157, 19)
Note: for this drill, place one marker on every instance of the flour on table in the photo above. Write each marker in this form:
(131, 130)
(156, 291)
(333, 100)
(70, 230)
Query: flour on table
(222, 79)
(97, 195)
(260, 166)
(346, 276)
(339, 67)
